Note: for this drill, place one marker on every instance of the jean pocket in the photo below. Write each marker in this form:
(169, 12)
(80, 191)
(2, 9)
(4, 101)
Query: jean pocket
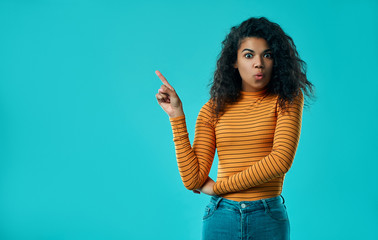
(277, 211)
(209, 211)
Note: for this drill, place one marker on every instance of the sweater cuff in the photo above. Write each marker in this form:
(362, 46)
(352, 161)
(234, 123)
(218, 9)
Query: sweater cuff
(216, 189)
(178, 127)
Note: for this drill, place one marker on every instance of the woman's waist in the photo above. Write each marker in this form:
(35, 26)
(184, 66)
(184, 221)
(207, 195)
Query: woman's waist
(266, 190)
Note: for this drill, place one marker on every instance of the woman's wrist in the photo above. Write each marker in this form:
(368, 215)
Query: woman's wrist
(177, 115)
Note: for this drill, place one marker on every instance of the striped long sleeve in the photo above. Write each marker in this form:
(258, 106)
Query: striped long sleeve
(195, 162)
(278, 161)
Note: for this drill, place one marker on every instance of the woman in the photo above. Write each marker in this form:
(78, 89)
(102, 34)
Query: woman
(253, 119)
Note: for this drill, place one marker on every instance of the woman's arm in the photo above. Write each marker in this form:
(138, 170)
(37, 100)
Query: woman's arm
(279, 161)
(194, 163)
(207, 187)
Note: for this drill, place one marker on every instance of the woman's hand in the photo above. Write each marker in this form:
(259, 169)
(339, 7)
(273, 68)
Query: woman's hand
(168, 98)
(207, 187)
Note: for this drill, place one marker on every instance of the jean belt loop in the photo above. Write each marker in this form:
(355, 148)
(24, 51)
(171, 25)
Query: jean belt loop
(217, 202)
(265, 205)
(283, 199)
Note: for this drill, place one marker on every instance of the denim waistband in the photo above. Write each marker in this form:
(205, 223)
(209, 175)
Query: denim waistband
(254, 205)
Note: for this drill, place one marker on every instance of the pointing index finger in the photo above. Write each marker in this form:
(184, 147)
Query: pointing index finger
(163, 79)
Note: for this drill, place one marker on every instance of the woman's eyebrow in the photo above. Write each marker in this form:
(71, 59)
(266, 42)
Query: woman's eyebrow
(247, 49)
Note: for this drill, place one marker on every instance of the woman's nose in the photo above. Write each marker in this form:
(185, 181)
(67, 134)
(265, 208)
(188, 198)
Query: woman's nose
(258, 63)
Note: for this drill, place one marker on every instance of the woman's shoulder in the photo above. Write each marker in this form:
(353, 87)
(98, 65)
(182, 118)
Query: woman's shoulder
(207, 111)
(208, 107)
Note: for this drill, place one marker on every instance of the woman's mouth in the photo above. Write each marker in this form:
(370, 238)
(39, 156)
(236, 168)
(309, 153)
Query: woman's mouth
(259, 76)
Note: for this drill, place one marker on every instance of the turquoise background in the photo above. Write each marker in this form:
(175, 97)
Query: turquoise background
(86, 152)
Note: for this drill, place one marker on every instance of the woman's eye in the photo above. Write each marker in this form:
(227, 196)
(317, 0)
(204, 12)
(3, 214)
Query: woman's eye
(268, 55)
(248, 55)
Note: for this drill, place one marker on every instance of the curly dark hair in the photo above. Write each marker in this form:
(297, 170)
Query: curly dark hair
(289, 71)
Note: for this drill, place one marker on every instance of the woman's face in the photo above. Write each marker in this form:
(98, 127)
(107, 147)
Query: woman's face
(255, 64)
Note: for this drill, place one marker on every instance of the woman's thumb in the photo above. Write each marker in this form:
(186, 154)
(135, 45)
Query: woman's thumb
(169, 91)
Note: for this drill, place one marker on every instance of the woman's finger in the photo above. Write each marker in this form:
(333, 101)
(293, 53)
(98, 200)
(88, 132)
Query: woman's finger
(165, 90)
(163, 79)
(161, 97)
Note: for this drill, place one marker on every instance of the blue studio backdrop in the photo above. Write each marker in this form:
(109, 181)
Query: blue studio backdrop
(86, 152)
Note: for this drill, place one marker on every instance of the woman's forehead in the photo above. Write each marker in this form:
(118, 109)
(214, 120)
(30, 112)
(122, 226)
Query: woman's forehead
(254, 43)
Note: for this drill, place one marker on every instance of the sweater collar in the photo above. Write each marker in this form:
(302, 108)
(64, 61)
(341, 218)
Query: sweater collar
(257, 94)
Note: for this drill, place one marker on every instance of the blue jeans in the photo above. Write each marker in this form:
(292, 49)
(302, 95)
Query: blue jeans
(264, 219)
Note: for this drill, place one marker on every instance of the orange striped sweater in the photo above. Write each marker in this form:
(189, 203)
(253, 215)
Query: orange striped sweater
(256, 144)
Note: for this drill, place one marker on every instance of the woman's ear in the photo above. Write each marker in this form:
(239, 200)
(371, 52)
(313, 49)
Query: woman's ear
(235, 65)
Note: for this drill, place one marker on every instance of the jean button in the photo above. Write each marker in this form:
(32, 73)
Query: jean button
(243, 205)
